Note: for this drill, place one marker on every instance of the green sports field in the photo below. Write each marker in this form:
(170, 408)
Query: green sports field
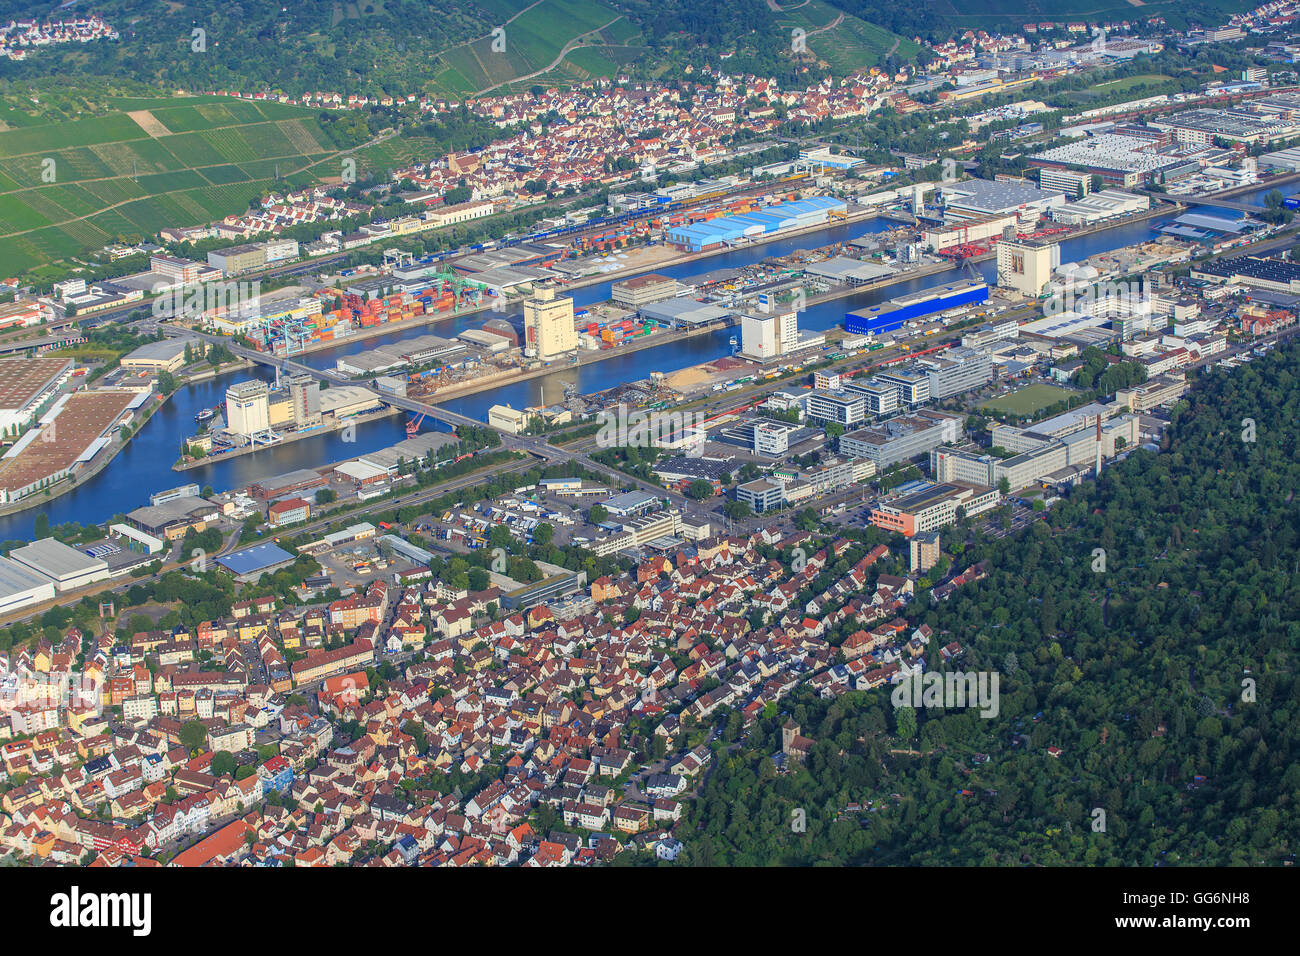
(1028, 401)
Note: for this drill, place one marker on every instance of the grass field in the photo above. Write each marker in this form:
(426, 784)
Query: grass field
(70, 187)
(1027, 401)
(1146, 84)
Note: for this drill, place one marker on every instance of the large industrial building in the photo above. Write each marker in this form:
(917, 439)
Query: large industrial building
(747, 227)
(1026, 264)
(27, 386)
(901, 438)
(250, 564)
(1125, 161)
(643, 290)
(22, 587)
(894, 314)
(65, 566)
(1277, 275)
(1098, 206)
(170, 520)
(549, 330)
(933, 507)
(165, 356)
(1202, 127)
(75, 429)
(769, 335)
(985, 197)
(248, 407)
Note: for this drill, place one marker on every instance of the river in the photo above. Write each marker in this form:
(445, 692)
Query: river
(144, 465)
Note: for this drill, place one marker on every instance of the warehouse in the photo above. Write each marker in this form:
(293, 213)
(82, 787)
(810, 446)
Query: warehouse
(1199, 226)
(251, 563)
(747, 227)
(165, 356)
(289, 483)
(76, 428)
(891, 315)
(486, 341)
(643, 290)
(984, 197)
(67, 567)
(679, 312)
(845, 271)
(22, 587)
(416, 555)
(360, 473)
(1126, 161)
(504, 329)
(26, 384)
(135, 539)
(1277, 275)
(417, 448)
(171, 519)
(342, 401)
(1095, 207)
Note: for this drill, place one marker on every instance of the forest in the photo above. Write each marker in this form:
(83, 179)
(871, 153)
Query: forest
(1145, 632)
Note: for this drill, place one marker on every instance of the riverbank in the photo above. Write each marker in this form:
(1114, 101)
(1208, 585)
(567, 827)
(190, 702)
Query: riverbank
(643, 265)
(513, 376)
(236, 366)
(286, 440)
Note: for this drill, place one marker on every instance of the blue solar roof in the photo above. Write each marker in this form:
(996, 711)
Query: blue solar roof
(256, 558)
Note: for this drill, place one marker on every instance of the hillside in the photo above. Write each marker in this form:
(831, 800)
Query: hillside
(1166, 678)
(942, 19)
(453, 51)
(68, 187)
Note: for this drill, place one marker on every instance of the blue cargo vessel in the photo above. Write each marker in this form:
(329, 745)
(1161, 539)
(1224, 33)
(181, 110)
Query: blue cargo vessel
(894, 314)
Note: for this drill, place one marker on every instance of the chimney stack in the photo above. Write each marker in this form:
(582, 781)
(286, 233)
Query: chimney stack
(1098, 474)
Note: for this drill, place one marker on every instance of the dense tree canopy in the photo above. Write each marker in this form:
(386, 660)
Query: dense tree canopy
(1164, 673)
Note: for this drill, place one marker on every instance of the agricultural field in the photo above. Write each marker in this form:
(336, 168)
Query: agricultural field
(843, 42)
(70, 187)
(535, 35)
(1026, 402)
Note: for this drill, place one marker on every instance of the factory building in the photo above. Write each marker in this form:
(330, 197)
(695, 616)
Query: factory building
(747, 227)
(894, 314)
(643, 290)
(22, 587)
(248, 407)
(66, 567)
(549, 330)
(901, 438)
(1026, 265)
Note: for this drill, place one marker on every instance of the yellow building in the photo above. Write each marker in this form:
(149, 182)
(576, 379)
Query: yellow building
(549, 331)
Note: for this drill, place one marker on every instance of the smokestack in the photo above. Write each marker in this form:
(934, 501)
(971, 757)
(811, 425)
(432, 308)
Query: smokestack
(1098, 475)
